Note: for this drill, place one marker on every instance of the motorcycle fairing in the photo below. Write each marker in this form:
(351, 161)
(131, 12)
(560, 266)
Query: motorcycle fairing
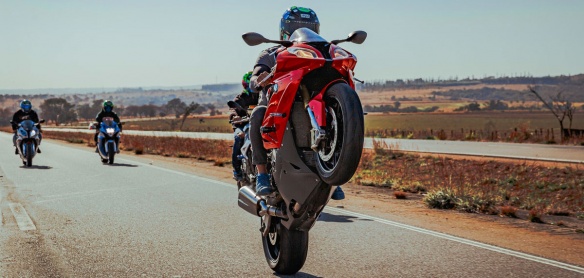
(25, 136)
(103, 139)
(279, 106)
(289, 74)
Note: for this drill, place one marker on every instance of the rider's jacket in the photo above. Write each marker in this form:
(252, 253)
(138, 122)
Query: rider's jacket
(20, 116)
(266, 60)
(104, 114)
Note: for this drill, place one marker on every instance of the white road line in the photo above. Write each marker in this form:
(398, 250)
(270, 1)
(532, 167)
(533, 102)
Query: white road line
(22, 219)
(464, 241)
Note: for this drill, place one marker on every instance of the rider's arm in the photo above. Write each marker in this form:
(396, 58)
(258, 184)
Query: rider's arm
(116, 118)
(35, 118)
(15, 120)
(253, 81)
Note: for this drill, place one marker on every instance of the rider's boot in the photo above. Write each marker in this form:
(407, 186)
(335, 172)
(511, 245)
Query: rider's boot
(16, 150)
(39, 150)
(263, 187)
(237, 175)
(338, 194)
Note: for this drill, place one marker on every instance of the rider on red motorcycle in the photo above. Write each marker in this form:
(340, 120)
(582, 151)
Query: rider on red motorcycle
(293, 18)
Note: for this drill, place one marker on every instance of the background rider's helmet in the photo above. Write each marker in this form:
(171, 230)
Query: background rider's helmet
(108, 106)
(298, 17)
(25, 105)
(245, 81)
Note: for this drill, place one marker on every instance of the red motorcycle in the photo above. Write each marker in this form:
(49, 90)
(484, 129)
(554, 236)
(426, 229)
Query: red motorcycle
(313, 131)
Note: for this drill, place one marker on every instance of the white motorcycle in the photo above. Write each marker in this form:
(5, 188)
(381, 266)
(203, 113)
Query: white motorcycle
(27, 141)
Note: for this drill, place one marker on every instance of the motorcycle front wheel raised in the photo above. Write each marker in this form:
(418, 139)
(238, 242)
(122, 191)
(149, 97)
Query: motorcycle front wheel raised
(339, 154)
(285, 250)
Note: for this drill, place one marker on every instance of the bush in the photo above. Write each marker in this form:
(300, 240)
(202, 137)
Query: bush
(399, 195)
(534, 216)
(442, 198)
(509, 211)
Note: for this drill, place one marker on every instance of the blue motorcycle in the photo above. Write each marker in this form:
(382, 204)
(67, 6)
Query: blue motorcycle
(27, 140)
(108, 140)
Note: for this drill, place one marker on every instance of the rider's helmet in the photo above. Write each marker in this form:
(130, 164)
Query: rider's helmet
(298, 17)
(245, 82)
(108, 106)
(25, 105)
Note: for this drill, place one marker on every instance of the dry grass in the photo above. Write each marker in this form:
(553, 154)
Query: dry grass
(484, 186)
(216, 151)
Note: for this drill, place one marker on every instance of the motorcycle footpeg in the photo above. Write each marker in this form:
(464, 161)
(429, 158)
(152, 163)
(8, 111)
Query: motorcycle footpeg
(267, 129)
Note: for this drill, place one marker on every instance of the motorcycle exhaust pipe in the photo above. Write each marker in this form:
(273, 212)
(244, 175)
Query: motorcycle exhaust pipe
(248, 201)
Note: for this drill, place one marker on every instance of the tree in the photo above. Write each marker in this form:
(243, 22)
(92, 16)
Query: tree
(58, 110)
(176, 106)
(84, 111)
(560, 107)
(187, 111)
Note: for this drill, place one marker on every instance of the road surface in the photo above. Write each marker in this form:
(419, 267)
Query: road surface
(72, 216)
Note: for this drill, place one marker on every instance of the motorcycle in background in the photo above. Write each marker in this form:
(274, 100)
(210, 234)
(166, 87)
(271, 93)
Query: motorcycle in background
(108, 139)
(247, 168)
(27, 140)
(313, 130)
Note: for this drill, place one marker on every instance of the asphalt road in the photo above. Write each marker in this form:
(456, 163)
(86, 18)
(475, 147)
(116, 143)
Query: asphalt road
(559, 153)
(71, 216)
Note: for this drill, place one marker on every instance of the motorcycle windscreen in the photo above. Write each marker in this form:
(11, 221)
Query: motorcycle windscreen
(27, 125)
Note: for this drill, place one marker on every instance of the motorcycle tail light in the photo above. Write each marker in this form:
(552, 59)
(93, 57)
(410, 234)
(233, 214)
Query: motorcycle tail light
(302, 52)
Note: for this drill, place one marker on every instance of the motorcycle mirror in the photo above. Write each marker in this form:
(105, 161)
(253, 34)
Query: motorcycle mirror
(41, 121)
(252, 39)
(357, 37)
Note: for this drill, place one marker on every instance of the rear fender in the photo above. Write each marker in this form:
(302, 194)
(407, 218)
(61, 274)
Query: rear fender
(317, 104)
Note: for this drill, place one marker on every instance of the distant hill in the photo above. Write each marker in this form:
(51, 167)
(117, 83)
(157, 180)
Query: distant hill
(418, 83)
(572, 87)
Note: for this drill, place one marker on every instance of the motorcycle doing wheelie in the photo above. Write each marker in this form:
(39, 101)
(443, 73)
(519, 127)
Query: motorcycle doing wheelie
(313, 131)
(247, 169)
(108, 139)
(27, 140)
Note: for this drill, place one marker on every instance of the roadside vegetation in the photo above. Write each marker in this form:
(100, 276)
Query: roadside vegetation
(476, 185)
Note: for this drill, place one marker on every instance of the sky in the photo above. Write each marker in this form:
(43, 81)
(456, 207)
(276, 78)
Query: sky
(145, 43)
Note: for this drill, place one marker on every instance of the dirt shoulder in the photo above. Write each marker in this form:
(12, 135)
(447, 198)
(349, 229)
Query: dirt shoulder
(555, 239)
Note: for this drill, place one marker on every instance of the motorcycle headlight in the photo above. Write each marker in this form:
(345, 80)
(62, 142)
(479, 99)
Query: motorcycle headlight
(32, 133)
(340, 54)
(110, 131)
(302, 52)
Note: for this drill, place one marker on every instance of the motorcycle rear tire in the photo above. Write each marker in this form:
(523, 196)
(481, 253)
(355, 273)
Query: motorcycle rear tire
(285, 250)
(342, 102)
(111, 153)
